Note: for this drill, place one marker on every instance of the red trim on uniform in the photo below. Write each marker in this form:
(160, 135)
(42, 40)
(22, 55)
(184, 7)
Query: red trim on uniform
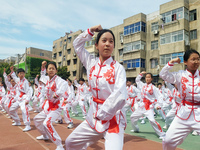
(90, 33)
(170, 64)
(159, 127)
(147, 103)
(113, 127)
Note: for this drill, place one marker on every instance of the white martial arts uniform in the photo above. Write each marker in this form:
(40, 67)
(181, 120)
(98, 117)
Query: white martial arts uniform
(67, 97)
(51, 108)
(148, 95)
(11, 95)
(81, 96)
(107, 81)
(188, 113)
(132, 96)
(23, 87)
(2, 97)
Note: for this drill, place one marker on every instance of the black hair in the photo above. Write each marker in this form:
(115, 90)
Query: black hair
(188, 53)
(20, 70)
(81, 79)
(70, 80)
(53, 63)
(102, 32)
(128, 80)
(150, 74)
(159, 84)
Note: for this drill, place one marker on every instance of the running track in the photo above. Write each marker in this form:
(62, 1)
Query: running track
(13, 138)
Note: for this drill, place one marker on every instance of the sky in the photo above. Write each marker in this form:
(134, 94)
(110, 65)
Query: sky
(38, 23)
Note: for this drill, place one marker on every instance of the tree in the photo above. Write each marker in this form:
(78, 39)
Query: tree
(63, 73)
(2, 66)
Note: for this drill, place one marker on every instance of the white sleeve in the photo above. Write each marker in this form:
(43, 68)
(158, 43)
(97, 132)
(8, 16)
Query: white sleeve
(170, 77)
(79, 44)
(138, 81)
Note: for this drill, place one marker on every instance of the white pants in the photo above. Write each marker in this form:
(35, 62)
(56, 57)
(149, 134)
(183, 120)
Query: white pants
(150, 115)
(67, 117)
(43, 123)
(24, 109)
(82, 105)
(83, 136)
(178, 131)
(170, 116)
(35, 103)
(74, 104)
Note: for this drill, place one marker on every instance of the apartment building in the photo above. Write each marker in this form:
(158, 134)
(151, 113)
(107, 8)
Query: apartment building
(64, 55)
(144, 42)
(148, 42)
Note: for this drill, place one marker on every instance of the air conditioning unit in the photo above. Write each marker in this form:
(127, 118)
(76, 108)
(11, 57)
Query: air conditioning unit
(121, 41)
(155, 32)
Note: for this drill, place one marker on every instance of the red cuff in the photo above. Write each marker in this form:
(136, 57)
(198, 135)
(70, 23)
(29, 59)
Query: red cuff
(141, 74)
(42, 69)
(90, 33)
(170, 64)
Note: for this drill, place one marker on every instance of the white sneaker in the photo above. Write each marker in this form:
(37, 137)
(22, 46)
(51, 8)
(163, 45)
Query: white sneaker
(27, 128)
(70, 125)
(41, 137)
(84, 117)
(8, 117)
(16, 124)
(161, 137)
(13, 121)
(60, 147)
(165, 127)
(59, 121)
(143, 122)
(36, 111)
(194, 133)
(133, 131)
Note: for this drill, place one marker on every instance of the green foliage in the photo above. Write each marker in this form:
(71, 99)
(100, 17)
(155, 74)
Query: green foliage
(63, 73)
(2, 66)
(33, 66)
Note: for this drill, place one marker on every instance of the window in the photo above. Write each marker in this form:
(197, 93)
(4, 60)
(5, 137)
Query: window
(60, 53)
(175, 14)
(193, 34)
(134, 63)
(64, 58)
(164, 59)
(41, 54)
(69, 51)
(193, 15)
(75, 61)
(74, 73)
(154, 26)
(133, 28)
(154, 45)
(68, 62)
(90, 43)
(69, 39)
(134, 46)
(60, 43)
(174, 37)
(59, 64)
(120, 52)
(154, 63)
(54, 56)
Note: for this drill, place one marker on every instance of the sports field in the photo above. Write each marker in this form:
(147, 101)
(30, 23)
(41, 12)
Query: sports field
(13, 138)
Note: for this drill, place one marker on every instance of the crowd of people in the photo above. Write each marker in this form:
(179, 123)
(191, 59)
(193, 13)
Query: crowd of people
(108, 96)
